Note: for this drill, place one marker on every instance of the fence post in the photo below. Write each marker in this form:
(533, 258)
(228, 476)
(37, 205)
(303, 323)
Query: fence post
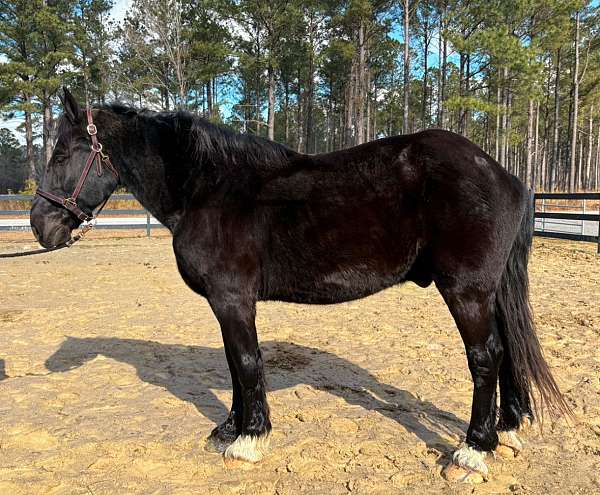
(148, 224)
(598, 228)
(543, 211)
(583, 221)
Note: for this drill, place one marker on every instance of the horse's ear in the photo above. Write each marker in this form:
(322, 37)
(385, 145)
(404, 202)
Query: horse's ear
(72, 109)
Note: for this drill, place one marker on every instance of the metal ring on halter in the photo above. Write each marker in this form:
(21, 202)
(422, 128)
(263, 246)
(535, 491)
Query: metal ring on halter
(97, 147)
(92, 129)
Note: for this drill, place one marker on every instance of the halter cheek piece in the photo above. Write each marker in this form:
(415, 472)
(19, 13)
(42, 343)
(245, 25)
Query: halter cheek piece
(96, 156)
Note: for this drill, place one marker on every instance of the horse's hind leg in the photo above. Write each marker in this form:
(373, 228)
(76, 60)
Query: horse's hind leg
(473, 310)
(515, 410)
(236, 316)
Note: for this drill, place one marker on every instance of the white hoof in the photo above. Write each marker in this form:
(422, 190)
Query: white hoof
(248, 448)
(470, 458)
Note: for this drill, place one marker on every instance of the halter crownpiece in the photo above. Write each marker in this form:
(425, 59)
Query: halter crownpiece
(101, 160)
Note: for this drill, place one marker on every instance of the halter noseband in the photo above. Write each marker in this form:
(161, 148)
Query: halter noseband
(96, 155)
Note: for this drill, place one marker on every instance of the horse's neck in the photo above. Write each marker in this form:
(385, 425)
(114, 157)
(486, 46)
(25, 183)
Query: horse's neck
(144, 172)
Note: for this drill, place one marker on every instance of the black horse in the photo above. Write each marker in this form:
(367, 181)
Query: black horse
(253, 220)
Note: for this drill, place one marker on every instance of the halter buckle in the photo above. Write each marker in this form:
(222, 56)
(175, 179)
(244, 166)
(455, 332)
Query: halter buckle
(92, 129)
(69, 201)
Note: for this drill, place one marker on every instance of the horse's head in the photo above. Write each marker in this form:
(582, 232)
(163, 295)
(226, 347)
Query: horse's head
(51, 222)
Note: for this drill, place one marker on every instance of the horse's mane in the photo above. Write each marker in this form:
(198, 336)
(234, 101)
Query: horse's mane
(211, 144)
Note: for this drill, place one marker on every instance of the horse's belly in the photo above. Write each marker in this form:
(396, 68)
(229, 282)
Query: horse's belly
(334, 252)
(338, 284)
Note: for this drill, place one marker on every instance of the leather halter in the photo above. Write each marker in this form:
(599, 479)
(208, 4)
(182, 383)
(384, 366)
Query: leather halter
(96, 156)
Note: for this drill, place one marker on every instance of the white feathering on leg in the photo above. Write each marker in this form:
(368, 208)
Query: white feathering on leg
(470, 458)
(248, 448)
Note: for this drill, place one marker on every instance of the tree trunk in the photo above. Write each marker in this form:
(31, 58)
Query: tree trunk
(579, 174)
(374, 132)
(461, 91)
(442, 95)
(309, 96)
(544, 165)
(368, 103)
(572, 168)
(509, 98)
(29, 143)
(47, 127)
(425, 71)
(215, 99)
(271, 110)
(498, 112)
(286, 112)
(467, 111)
(504, 144)
(209, 99)
(536, 147)
(405, 122)
(300, 145)
(597, 165)
(360, 86)
(349, 108)
(554, 163)
(530, 143)
(588, 165)
(257, 82)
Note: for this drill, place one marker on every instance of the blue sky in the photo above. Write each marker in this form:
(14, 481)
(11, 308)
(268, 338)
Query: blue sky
(119, 9)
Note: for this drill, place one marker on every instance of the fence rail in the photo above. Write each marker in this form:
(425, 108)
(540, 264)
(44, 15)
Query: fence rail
(579, 223)
(141, 220)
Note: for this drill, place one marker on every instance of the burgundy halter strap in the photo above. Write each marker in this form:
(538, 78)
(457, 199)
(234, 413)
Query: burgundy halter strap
(96, 156)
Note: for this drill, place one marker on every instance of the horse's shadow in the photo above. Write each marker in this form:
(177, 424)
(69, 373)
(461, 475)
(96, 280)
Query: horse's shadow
(3, 375)
(190, 372)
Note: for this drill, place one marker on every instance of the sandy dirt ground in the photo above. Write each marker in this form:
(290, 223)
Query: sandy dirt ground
(112, 374)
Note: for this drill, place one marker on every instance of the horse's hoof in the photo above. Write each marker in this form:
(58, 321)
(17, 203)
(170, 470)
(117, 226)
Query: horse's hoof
(526, 423)
(458, 474)
(505, 452)
(247, 448)
(231, 463)
(509, 444)
(218, 443)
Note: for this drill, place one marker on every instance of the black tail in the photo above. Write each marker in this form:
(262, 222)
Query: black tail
(515, 323)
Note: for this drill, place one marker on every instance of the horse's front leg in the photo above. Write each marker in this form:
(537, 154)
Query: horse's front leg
(225, 434)
(236, 315)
